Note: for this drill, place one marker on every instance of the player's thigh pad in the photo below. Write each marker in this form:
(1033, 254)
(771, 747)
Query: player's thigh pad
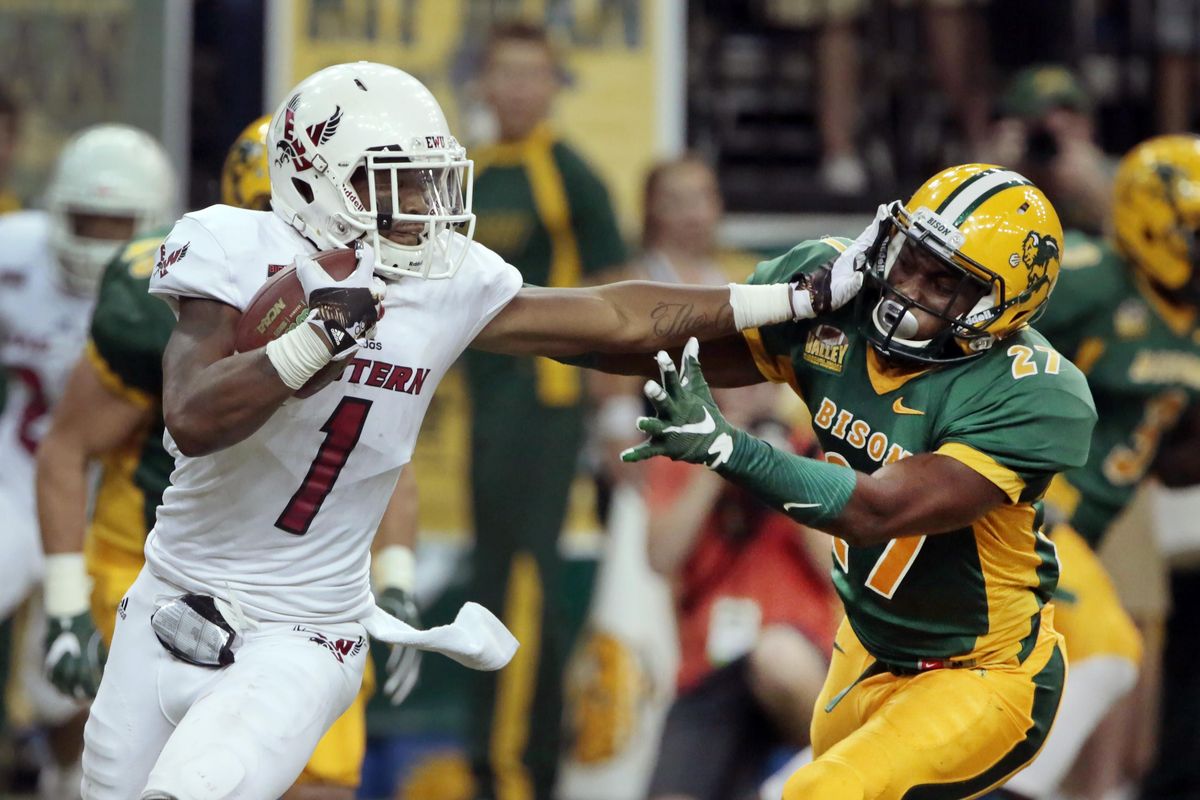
(1088, 612)
(250, 734)
(127, 726)
(942, 734)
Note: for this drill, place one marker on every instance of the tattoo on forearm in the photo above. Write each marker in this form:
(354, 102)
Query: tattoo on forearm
(682, 319)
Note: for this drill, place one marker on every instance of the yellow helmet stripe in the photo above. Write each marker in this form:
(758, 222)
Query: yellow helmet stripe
(973, 192)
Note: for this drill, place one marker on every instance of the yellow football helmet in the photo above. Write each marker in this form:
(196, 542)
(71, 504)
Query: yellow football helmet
(991, 226)
(1156, 213)
(244, 179)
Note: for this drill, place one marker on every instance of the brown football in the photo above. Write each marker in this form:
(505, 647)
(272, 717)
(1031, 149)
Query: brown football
(279, 305)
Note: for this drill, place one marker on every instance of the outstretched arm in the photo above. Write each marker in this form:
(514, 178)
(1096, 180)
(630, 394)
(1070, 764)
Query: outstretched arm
(631, 316)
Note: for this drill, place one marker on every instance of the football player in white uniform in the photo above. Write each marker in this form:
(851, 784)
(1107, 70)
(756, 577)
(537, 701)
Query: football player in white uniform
(244, 636)
(109, 182)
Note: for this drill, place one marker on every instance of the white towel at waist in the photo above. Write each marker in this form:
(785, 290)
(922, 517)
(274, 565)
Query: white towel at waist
(476, 639)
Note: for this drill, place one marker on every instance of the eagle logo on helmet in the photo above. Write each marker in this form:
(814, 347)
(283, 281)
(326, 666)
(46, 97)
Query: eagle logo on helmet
(291, 149)
(1037, 252)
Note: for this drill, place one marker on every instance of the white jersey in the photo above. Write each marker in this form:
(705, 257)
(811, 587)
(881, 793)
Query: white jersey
(284, 519)
(43, 328)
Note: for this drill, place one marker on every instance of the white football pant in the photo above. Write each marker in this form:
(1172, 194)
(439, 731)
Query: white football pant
(194, 733)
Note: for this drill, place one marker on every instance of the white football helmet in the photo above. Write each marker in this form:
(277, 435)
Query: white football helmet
(110, 170)
(384, 122)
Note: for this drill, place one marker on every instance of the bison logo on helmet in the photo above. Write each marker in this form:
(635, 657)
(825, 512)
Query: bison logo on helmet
(292, 149)
(1037, 251)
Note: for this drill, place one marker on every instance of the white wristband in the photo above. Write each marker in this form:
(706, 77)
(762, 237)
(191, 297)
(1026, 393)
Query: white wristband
(755, 306)
(394, 567)
(66, 586)
(299, 354)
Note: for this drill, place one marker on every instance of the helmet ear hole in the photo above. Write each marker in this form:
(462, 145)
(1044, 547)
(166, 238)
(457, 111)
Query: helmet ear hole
(303, 189)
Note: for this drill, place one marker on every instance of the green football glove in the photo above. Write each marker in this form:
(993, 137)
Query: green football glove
(689, 426)
(403, 663)
(75, 655)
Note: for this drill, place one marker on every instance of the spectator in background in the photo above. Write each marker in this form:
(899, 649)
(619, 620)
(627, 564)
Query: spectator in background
(10, 130)
(755, 614)
(544, 210)
(1046, 132)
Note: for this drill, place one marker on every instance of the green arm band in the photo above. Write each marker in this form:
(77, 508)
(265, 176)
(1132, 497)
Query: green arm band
(807, 490)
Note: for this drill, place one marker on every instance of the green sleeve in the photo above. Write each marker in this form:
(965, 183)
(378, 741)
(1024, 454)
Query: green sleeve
(592, 219)
(130, 327)
(1090, 277)
(1036, 425)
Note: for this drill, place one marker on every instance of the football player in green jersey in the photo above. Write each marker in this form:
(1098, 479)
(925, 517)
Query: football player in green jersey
(1125, 313)
(111, 412)
(944, 417)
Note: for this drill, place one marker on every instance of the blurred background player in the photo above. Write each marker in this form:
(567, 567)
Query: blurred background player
(545, 212)
(111, 412)
(110, 182)
(755, 612)
(1125, 313)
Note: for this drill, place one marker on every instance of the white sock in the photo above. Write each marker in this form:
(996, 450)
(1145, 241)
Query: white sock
(1093, 686)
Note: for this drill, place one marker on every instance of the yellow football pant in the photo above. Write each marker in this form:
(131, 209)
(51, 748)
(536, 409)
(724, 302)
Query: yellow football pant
(949, 733)
(1088, 612)
(339, 755)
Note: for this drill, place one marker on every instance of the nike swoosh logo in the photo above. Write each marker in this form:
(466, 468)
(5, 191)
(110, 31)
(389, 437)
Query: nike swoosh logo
(790, 506)
(898, 407)
(706, 425)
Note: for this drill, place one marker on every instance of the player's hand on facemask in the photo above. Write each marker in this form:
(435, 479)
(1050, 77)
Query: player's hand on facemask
(403, 663)
(346, 310)
(688, 426)
(832, 286)
(75, 655)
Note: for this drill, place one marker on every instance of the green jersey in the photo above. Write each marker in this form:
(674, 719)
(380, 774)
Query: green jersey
(1142, 362)
(540, 207)
(1017, 414)
(129, 332)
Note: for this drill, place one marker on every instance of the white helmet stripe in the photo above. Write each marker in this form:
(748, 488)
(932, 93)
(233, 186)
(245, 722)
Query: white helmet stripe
(988, 183)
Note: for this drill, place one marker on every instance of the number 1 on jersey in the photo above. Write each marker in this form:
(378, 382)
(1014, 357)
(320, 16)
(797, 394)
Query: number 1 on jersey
(342, 430)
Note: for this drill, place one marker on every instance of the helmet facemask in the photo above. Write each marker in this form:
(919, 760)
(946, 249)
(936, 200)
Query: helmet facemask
(387, 197)
(886, 311)
(82, 256)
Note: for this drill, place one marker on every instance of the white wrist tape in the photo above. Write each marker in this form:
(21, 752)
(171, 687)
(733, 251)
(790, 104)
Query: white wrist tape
(755, 306)
(66, 586)
(299, 354)
(394, 567)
